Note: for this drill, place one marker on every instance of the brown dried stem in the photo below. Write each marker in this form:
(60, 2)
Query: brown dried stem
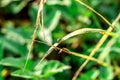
(101, 41)
(35, 31)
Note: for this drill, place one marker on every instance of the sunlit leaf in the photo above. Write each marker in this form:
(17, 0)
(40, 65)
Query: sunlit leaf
(16, 62)
(23, 74)
(53, 67)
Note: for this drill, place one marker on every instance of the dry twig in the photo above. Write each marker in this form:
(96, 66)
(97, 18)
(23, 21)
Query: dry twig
(101, 41)
(35, 31)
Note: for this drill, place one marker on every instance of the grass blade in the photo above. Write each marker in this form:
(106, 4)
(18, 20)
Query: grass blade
(74, 33)
(82, 3)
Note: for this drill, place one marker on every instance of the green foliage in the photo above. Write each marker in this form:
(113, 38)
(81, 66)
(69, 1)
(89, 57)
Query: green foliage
(90, 75)
(13, 62)
(45, 71)
(63, 19)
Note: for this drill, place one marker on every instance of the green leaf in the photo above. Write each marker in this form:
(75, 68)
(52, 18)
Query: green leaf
(56, 2)
(15, 47)
(19, 35)
(59, 2)
(4, 3)
(53, 67)
(46, 70)
(90, 75)
(39, 67)
(106, 73)
(16, 62)
(33, 12)
(55, 20)
(15, 39)
(47, 35)
(13, 62)
(16, 8)
(50, 18)
(85, 77)
(23, 74)
(1, 49)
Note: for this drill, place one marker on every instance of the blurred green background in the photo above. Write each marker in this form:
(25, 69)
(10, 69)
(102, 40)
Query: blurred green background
(17, 20)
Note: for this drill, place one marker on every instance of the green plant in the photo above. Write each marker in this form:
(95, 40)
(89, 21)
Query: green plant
(64, 27)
